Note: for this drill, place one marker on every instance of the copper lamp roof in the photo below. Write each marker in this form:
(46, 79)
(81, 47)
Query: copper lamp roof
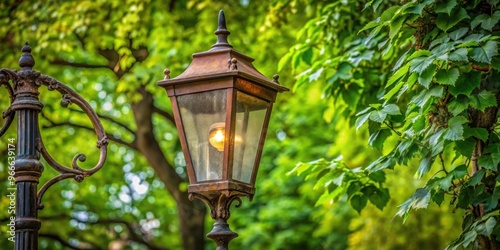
(221, 61)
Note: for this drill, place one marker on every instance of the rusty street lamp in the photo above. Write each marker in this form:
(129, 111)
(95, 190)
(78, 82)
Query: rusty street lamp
(221, 106)
(26, 169)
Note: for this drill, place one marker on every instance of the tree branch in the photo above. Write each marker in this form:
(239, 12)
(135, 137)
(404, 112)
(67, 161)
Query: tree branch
(62, 62)
(63, 242)
(70, 124)
(164, 113)
(107, 118)
(133, 234)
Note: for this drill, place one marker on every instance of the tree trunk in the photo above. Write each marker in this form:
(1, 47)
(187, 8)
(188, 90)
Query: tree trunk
(487, 120)
(191, 213)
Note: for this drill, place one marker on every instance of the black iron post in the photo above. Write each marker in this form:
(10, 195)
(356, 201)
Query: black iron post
(28, 169)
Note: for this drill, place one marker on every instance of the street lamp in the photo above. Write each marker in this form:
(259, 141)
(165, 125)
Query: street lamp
(221, 106)
(26, 168)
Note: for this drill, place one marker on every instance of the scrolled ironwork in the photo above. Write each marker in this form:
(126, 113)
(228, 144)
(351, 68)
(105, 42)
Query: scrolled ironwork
(219, 203)
(8, 114)
(23, 90)
(69, 96)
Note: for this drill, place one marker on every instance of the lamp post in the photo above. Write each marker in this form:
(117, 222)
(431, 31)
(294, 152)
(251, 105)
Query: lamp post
(22, 87)
(221, 106)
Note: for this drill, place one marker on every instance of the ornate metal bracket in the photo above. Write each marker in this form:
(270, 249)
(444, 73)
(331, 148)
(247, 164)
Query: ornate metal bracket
(219, 204)
(69, 96)
(8, 115)
(24, 96)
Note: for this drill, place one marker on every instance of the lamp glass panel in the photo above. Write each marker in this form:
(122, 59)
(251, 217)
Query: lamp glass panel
(201, 114)
(250, 115)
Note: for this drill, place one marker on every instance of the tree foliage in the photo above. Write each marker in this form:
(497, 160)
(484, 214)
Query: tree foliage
(433, 98)
(416, 79)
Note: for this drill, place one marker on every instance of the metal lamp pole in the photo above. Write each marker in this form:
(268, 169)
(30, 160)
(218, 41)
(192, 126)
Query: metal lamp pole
(28, 169)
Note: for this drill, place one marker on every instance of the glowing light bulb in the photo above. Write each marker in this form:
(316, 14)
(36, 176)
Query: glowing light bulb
(217, 136)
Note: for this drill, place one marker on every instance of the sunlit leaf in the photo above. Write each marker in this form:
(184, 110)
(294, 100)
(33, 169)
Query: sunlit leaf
(447, 77)
(455, 128)
(425, 78)
(483, 100)
(484, 53)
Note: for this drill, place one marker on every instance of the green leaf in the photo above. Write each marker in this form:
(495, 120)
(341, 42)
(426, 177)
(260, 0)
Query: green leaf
(425, 78)
(377, 196)
(459, 172)
(419, 64)
(465, 147)
(472, 40)
(284, 60)
(316, 75)
(459, 33)
(489, 161)
(459, 55)
(488, 227)
(480, 133)
(447, 77)
(495, 63)
(484, 53)
(448, 21)
(466, 83)
(469, 237)
(423, 97)
(455, 130)
(491, 21)
(425, 166)
(358, 202)
(491, 157)
(388, 14)
(420, 199)
(362, 120)
(370, 25)
(378, 176)
(438, 197)
(445, 7)
(476, 178)
(478, 20)
(401, 60)
(483, 100)
(378, 138)
(445, 182)
(307, 56)
(391, 109)
(458, 105)
(419, 53)
(417, 9)
(377, 116)
(395, 26)
(398, 75)
(394, 90)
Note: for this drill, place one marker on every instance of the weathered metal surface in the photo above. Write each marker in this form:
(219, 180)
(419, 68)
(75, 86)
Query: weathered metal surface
(221, 68)
(25, 103)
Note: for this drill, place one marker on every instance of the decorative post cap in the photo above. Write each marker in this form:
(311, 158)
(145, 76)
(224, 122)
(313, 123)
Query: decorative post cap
(222, 33)
(26, 60)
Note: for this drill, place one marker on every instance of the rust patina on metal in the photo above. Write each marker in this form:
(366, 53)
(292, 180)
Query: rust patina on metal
(22, 87)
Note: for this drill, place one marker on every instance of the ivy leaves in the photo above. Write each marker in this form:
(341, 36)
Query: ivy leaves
(338, 180)
(439, 86)
(443, 80)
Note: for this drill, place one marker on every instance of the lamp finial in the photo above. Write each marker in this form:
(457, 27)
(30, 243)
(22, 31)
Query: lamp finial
(222, 33)
(26, 60)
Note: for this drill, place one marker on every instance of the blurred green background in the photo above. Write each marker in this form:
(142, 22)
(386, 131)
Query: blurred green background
(113, 52)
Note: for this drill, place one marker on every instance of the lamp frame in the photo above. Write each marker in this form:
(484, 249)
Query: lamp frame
(222, 68)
